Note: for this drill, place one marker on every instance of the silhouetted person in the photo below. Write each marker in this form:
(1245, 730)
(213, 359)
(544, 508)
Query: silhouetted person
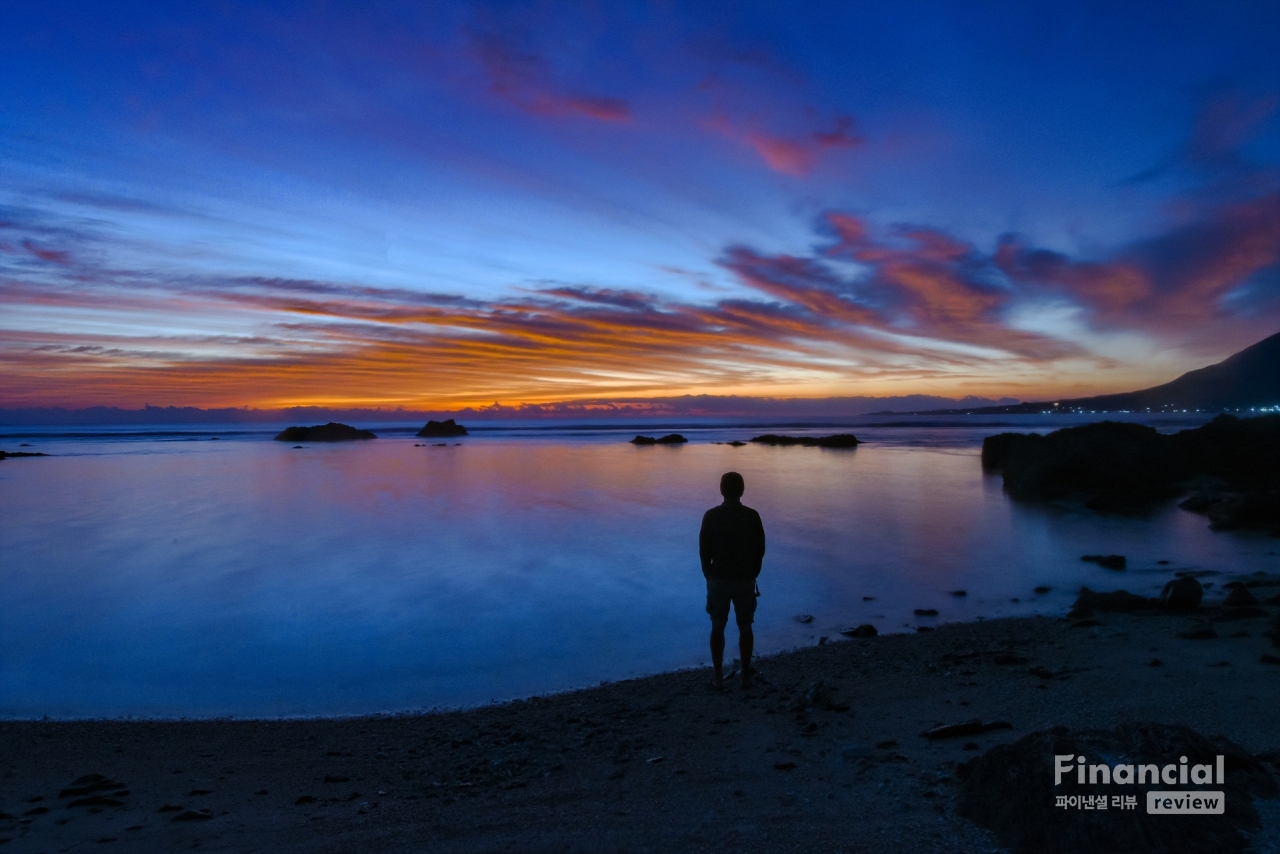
(731, 545)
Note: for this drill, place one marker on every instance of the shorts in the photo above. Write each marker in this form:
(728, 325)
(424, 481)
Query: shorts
(740, 591)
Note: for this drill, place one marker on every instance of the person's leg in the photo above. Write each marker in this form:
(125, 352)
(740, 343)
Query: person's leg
(744, 610)
(717, 651)
(746, 643)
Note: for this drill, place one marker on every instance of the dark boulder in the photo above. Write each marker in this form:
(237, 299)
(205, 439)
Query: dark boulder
(1199, 501)
(973, 727)
(1010, 790)
(1231, 511)
(996, 450)
(1110, 466)
(1115, 601)
(866, 630)
(1239, 596)
(1243, 452)
(436, 429)
(1182, 594)
(1123, 464)
(1106, 561)
(838, 440)
(669, 439)
(331, 432)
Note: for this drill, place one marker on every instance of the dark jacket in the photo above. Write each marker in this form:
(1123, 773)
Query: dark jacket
(731, 543)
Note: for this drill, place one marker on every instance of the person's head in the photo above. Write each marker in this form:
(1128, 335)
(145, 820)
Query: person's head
(732, 485)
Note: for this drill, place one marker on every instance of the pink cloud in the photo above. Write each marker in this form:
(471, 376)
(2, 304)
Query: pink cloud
(793, 155)
(526, 81)
(1179, 280)
(50, 255)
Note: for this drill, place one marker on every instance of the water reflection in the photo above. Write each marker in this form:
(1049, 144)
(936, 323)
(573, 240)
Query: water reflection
(245, 577)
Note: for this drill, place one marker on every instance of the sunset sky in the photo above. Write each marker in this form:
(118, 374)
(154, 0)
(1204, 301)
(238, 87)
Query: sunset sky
(439, 205)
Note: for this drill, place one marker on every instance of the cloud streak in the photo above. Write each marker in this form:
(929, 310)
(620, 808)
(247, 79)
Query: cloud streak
(904, 306)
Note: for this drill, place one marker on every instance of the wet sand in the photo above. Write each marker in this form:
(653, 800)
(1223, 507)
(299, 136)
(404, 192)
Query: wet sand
(661, 763)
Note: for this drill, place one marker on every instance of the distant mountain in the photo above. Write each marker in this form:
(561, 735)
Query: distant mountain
(1249, 379)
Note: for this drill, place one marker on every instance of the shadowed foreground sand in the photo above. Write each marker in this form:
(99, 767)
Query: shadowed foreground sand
(654, 764)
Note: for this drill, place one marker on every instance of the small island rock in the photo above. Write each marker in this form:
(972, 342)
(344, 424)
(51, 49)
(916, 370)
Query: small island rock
(838, 440)
(331, 432)
(448, 427)
(1106, 561)
(8, 454)
(669, 439)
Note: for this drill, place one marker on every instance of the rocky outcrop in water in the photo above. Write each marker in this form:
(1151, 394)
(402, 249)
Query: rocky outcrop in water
(1010, 790)
(331, 432)
(669, 439)
(7, 454)
(435, 429)
(1106, 561)
(839, 440)
(1233, 463)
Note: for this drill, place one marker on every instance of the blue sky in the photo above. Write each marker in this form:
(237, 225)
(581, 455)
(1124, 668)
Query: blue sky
(451, 204)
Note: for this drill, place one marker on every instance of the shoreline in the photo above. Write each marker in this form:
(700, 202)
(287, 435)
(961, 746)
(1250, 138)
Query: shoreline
(826, 753)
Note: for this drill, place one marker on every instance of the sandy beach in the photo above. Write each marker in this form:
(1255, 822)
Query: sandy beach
(660, 763)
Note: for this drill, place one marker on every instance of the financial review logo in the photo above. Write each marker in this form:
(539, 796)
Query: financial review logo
(1071, 768)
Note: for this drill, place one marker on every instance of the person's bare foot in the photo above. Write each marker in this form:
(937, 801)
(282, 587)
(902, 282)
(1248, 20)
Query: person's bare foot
(746, 679)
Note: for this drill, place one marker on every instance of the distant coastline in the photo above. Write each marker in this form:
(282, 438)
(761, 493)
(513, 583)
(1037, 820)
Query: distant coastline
(1245, 383)
(686, 406)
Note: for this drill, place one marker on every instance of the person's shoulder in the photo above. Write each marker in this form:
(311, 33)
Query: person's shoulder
(713, 512)
(751, 511)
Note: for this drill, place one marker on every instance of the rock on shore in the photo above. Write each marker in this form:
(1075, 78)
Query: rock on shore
(331, 432)
(1233, 463)
(1011, 790)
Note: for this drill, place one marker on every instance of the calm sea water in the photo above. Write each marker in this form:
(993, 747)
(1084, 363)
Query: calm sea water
(156, 572)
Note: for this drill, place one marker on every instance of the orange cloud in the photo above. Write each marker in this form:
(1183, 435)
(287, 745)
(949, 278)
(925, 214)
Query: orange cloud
(910, 309)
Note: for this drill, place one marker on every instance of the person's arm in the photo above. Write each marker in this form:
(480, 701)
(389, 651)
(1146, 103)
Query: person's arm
(704, 544)
(759, 542)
